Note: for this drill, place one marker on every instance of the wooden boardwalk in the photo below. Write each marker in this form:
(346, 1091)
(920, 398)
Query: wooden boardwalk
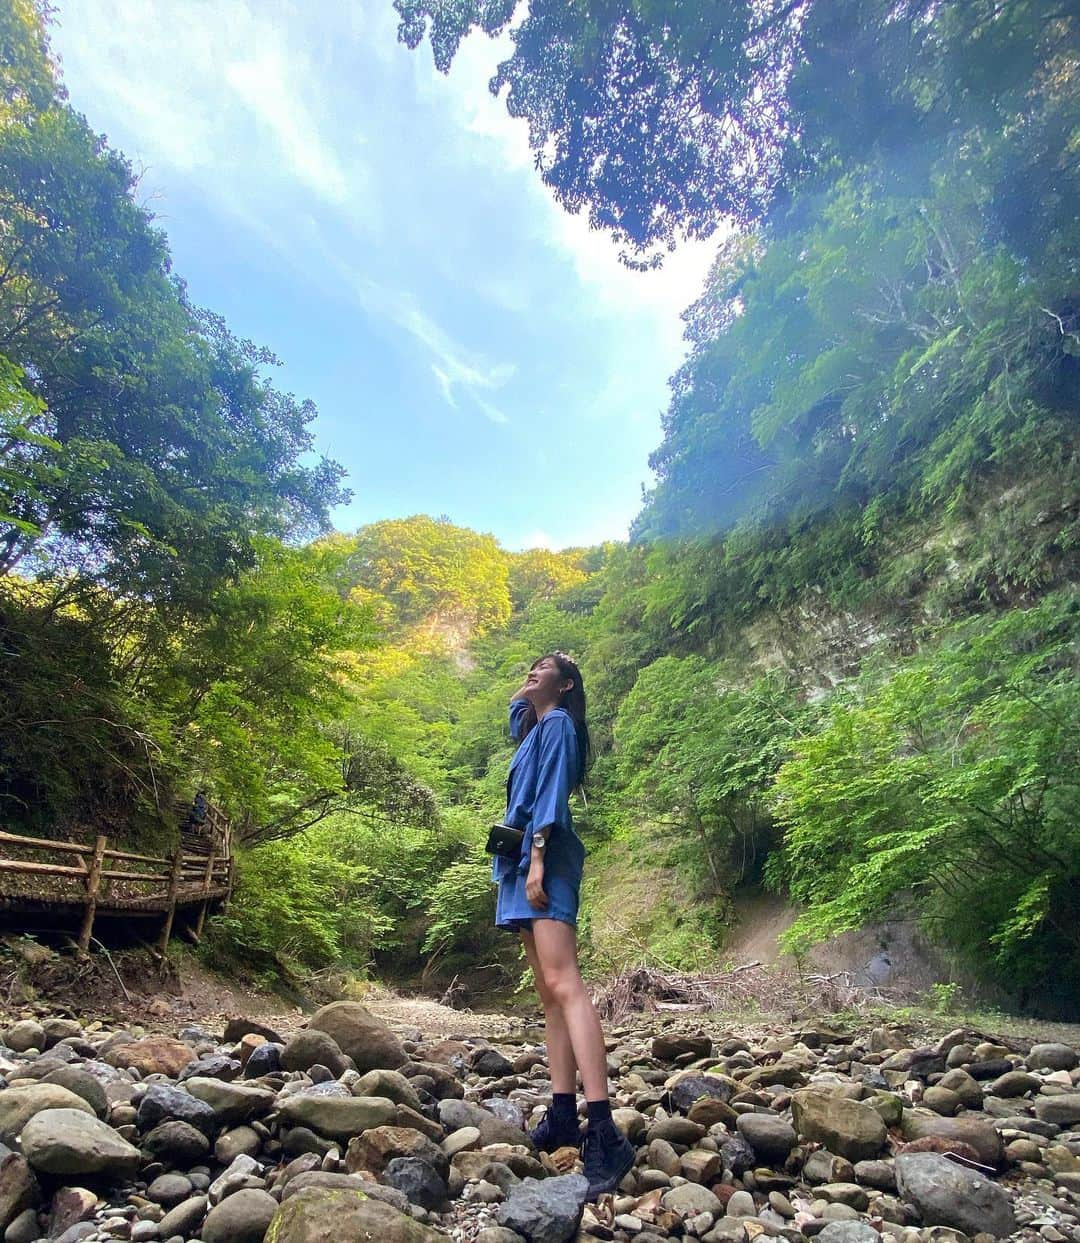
(85, 880)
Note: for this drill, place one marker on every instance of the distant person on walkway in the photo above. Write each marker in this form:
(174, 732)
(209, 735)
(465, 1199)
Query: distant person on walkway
(197, 812)
(538, 897)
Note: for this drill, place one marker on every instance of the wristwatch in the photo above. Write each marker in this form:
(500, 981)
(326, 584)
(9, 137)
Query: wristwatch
(539, 841)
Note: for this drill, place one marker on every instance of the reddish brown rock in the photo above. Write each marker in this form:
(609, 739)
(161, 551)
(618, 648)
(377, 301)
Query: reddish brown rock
(381, 1144)
(153, 1055)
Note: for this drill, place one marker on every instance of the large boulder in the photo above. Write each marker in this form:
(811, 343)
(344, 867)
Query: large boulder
(176, 1143)
(25, 1035)
(152, 1055)
(232, 1102)
(163, 1102)
(313, 1048)
(1061, 1110)
(947, 1194)
(978, 1133)
(330, 1214)
(18, 1104)
(76, 1080)
(242, 1217)
(337, 1117)
(360, 1035)
(1051, 1056)
(853, 1129)
(545, 1211)
(69, 1141)
(389, 1083)
(378, 1146)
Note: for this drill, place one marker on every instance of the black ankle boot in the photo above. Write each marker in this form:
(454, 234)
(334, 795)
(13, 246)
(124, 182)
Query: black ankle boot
(557, 1129)
(608, 1157)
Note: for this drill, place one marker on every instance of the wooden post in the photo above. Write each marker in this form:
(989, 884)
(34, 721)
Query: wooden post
(93, 884)
(207, 880)
(170, 908)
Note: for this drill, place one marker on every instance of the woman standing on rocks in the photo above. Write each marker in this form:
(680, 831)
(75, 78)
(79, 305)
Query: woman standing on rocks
(538, 897)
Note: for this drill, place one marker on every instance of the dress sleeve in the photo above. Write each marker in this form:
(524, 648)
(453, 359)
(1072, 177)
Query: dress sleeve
(518, 708)
(556, 772)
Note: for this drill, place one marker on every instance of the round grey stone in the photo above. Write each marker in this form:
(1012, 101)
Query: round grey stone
(185, 1218)
(546, 1211)
(243, 1217)
(24, 1228)
(741, 1204)
(176, 1143)
(240, 1140)
(169, 1189)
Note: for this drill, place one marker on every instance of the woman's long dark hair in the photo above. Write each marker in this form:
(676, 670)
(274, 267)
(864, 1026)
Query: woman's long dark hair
(572, 702)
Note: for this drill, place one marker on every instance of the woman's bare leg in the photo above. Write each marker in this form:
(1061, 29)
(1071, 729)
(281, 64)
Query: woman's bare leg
(561, 1063)
(556, 964)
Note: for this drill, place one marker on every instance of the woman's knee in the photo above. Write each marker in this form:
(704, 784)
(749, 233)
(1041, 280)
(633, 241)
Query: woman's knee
(547, 997)
(562, 984)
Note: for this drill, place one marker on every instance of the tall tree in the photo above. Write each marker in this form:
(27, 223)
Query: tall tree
(155, 448)
(664, 120)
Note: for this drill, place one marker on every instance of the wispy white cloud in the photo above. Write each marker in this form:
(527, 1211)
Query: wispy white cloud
(455, 368)
(445, 387)
(489, 411)
(214, 87)
(265, 84)
(462, 368)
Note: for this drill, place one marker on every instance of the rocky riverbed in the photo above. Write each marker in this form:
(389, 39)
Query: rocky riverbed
(345, 1130)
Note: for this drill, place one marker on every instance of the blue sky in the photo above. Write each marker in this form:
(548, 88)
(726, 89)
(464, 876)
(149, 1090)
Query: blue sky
(473, 350)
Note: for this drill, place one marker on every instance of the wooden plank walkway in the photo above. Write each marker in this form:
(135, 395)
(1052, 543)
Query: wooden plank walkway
(68, 877)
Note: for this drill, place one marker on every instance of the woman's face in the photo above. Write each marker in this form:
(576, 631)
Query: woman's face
(546, 682)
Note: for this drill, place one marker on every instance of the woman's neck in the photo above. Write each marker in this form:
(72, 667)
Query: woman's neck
(543, 709)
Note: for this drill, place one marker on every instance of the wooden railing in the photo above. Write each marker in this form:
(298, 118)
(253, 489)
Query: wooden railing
(184, 878)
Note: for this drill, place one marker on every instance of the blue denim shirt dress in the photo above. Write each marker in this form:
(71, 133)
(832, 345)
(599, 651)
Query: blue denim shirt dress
(543, 773)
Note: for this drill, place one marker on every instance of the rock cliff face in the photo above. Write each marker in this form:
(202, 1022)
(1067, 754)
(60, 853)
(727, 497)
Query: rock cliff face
(790, 1134)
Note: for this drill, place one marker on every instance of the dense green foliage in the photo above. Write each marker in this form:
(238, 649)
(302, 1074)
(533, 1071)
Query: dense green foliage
(948, 783)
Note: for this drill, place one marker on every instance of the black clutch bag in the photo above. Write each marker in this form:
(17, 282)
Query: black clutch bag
(505, 841)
